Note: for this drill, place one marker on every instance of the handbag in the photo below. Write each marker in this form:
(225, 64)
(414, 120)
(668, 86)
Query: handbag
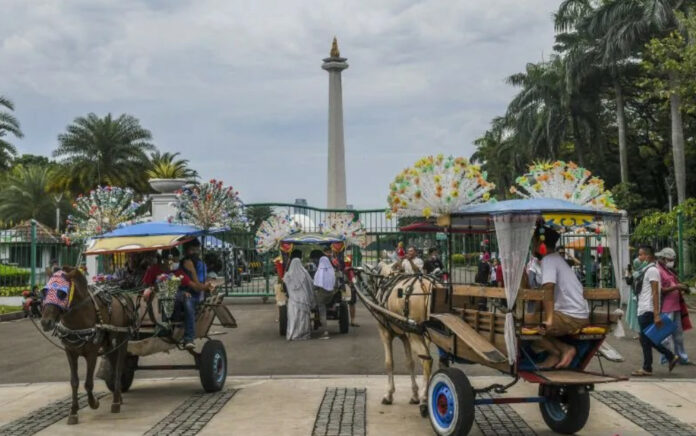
(657, 335)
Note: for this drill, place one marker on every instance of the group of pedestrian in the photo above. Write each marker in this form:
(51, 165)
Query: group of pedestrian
(306, 294)
(489, 271)
(657, 297)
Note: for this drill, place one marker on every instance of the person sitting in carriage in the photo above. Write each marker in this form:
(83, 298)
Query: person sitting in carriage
(568, 312)
(192, 293)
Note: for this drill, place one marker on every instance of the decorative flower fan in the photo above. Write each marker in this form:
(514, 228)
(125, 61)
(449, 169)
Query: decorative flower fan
(273, 230)
(102, 210)
(346, 224)
(208, 205)
(564, 181)
(437, 186)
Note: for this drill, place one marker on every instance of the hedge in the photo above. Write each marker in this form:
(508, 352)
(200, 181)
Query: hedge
(13, 276)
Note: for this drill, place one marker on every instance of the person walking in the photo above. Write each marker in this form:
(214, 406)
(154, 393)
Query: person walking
(636, 270)
(649, 313)
(300, 302)
(672, 303)
(324, 284)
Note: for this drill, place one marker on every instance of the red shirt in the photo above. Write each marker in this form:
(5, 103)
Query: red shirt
(499, 274)
(156, 270)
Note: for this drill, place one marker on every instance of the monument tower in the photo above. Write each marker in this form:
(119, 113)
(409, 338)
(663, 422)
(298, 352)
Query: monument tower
(336, 176)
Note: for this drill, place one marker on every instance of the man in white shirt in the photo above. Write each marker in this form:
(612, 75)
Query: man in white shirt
(649, 313)
(568, 312)
(411, 264)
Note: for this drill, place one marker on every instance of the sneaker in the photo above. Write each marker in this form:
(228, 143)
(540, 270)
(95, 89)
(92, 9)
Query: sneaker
(673, 363)
(189, 345)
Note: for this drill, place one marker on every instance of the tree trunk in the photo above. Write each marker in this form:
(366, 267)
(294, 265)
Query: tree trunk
(621, 122)
(677, 141)
(578, 142)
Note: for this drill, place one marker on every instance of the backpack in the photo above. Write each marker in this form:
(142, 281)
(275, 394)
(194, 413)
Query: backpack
(637, 285)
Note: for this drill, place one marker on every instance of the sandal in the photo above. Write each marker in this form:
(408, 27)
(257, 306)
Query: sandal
(641, 373)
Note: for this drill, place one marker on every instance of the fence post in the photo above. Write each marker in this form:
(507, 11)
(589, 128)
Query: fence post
(32, 261)
(680, 243)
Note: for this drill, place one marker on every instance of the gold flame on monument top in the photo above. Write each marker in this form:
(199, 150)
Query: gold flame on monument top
(334, 49)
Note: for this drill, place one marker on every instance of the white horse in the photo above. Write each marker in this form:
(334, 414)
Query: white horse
(408, 296)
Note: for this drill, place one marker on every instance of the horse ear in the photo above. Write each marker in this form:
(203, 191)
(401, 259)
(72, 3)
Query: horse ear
(73, 273)
(68, 268)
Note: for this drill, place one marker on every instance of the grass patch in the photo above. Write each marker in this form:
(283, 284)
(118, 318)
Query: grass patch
(8, 309)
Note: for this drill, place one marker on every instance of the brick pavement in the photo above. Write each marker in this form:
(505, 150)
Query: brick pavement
(341, 413)
(192, 415)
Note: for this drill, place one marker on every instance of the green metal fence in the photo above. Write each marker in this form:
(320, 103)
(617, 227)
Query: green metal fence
(27, 252)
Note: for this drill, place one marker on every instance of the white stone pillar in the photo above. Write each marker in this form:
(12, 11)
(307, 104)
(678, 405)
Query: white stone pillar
(336, 176)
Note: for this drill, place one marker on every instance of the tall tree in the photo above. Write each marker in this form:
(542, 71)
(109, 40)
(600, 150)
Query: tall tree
(27, 194)
(9, 125)
(104, 151)
(625, 26)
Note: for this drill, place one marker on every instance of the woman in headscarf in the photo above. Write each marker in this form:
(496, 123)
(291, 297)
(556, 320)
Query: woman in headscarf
(324, 282)
(300, 301)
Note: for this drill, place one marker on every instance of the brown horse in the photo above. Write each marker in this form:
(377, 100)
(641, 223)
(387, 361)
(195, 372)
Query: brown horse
(408, 296)
(87, 326)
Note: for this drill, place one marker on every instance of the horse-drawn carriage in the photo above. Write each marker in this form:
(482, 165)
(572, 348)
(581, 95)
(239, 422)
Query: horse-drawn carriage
(310, 246)
(159, 329)
(122, 325)
(504, 328)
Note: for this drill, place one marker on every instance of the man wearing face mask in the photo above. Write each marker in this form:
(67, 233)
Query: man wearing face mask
(672, 300)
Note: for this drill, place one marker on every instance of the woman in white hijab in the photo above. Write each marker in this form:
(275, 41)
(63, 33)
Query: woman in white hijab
(300, 301)
(324, 281)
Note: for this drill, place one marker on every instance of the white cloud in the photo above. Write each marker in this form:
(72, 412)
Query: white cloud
(238, 89)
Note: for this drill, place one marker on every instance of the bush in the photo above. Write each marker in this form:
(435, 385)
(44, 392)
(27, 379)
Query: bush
(465, 259)
(13, 276)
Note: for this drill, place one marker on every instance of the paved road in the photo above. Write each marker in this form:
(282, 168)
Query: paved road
(255, 348)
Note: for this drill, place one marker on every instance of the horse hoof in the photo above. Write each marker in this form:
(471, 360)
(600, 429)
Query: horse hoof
(72, 419)
(424, 410)
(116, 408)
(414, 401)
(386, 401)
(93, 404)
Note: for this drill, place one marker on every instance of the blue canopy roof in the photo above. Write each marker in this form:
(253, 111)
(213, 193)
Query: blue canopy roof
(532, 205)
(158, 228)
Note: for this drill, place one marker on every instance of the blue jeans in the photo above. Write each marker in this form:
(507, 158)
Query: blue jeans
(644, 321)
(187, 306)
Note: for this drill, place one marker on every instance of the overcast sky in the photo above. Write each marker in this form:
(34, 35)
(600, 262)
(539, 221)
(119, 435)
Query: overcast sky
(237, 86)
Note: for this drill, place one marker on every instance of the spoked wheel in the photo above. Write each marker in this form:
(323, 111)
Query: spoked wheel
(213, 366)
(282, 319)
(566, 408)
(450, 402)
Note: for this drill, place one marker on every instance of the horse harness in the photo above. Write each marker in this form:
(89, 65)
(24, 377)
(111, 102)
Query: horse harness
(102, 300)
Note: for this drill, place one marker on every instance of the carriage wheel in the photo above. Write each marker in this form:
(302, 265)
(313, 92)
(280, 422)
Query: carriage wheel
(127, 374)
(450, 402)
(566, 408)
(282, 319)
(213, 366)
(343, 317)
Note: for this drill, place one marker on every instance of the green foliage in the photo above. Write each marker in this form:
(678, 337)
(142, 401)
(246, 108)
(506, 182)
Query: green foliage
(627, 198)
(26, 194)
(104, 151)
(469, 259)
(670, 63)
(9, 125)
(166, 166)
(255, 215)
(13, 276)
(661, 225)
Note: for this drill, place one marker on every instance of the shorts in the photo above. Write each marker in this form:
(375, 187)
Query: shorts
(565, 325)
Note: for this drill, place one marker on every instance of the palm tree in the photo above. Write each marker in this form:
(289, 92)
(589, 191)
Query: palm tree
(8, 125)
(166, 166)
(27, 195)
(624, 27)
(104, 151)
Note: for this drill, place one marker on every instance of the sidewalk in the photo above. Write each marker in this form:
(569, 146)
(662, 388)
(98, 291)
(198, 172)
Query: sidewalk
(274, 406)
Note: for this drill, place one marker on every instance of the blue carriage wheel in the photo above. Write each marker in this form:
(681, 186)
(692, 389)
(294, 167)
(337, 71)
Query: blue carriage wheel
(443, 404)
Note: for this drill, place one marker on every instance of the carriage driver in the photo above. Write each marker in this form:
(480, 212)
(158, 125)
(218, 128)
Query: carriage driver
(188, 296)
(568, 311)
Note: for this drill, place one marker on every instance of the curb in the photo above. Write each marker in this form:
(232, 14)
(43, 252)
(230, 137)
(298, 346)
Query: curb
(11, 316)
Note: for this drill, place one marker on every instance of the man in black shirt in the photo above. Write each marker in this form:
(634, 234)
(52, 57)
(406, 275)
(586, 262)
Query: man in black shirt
(484, 270)
(433, 261)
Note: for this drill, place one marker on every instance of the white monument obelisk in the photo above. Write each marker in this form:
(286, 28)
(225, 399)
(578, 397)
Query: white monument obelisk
(336, 177)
